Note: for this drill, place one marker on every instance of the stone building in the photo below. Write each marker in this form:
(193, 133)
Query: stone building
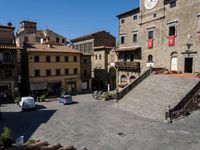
(52, 69)
(160, 34)
(98, 44)
(9, 64)
(85, 70)
(28, 33)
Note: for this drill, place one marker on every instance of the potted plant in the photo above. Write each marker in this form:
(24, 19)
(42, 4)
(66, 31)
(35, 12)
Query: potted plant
(6, 139)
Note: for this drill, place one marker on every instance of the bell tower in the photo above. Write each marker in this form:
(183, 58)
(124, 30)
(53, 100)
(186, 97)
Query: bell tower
(28, 27)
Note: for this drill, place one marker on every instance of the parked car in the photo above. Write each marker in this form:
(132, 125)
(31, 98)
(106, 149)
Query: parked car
(65, 99)
(27, 103)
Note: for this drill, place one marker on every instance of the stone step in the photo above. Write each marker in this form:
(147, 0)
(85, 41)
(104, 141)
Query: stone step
(152, 97)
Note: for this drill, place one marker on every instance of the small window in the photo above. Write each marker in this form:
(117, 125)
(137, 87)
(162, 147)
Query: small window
(8, 73)
(75, 70)
(25, 39)
(132, 57)
(66, 71)
(135, 17)
(85, 61)
(7, 57)
(100, 56)
(122, 39)
(63, 40)
(57, 72)
(48, 59)
(75, 59)
(150, 58)
(57, 39)
(96, 57)
(172, 3)
(122, 21)
(57, 59)
(37, 73)
(154, 15)
(172, 30)
(48, 72)
(36, 59)
(135, 37)
(66, 58)
(150, 35)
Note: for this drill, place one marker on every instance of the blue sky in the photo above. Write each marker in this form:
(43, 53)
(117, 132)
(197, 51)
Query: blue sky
(71, 18)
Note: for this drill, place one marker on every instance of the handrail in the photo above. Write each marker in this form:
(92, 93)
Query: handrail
(187, 104)
(131, 86)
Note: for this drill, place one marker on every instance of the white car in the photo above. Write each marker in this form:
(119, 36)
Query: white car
(27, 103)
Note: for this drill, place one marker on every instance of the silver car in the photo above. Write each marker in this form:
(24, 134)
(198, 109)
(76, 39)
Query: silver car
(27, 103)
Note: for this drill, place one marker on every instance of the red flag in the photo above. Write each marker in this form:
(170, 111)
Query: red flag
(150, 43)
(171, 41)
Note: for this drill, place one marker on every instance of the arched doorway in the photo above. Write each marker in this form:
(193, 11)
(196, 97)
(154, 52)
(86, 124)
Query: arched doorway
(112, 73)
(174, 61)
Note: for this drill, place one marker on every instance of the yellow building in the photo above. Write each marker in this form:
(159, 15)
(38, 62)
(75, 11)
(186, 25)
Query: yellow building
(53, 69)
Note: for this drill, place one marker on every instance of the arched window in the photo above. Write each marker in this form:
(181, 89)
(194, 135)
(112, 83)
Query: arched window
(7, 57)
(150, 58)
(100, 56)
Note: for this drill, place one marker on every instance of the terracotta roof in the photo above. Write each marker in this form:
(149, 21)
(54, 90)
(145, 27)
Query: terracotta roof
(28, 21)
(87, 36)
(7, 46)
(133, 11)
(52, 48)
(122, 49)
(7, 27)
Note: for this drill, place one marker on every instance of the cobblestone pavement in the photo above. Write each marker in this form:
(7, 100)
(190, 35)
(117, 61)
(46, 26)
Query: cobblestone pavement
(101, 125)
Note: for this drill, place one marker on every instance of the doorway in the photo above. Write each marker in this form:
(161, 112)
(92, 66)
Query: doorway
(174, 64)
(188, 65)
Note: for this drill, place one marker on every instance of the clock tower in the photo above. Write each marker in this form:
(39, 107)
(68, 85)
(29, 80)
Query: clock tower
(151, 9)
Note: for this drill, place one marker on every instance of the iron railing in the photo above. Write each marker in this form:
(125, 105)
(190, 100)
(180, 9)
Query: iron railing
(188, 104)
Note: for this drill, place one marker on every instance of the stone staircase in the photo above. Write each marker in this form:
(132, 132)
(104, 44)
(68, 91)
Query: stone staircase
(151, 98)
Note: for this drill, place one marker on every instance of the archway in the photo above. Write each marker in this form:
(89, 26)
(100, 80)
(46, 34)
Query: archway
(112, 73)
(124, 80)
(174, 61)
(132, 78)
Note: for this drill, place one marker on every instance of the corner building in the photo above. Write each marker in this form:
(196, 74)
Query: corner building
(166, 33)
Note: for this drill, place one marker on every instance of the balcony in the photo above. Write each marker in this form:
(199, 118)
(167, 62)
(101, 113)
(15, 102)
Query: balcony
(128, 66)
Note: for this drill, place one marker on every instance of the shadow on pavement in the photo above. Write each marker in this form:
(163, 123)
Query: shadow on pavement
(25, 123)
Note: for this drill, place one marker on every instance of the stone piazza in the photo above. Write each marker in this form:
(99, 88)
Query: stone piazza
(102, 75)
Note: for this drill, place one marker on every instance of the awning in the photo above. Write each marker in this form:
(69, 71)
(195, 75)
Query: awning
(123, 49)
(38, 86)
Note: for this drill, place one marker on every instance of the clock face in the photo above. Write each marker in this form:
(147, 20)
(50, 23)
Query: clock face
(150, 4)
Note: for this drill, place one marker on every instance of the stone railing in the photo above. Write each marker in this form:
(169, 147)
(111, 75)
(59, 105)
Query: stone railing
(131, 86)
(188, 104)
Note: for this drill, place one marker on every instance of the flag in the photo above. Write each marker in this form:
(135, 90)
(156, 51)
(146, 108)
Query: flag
(171, 40)
(150, 43)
